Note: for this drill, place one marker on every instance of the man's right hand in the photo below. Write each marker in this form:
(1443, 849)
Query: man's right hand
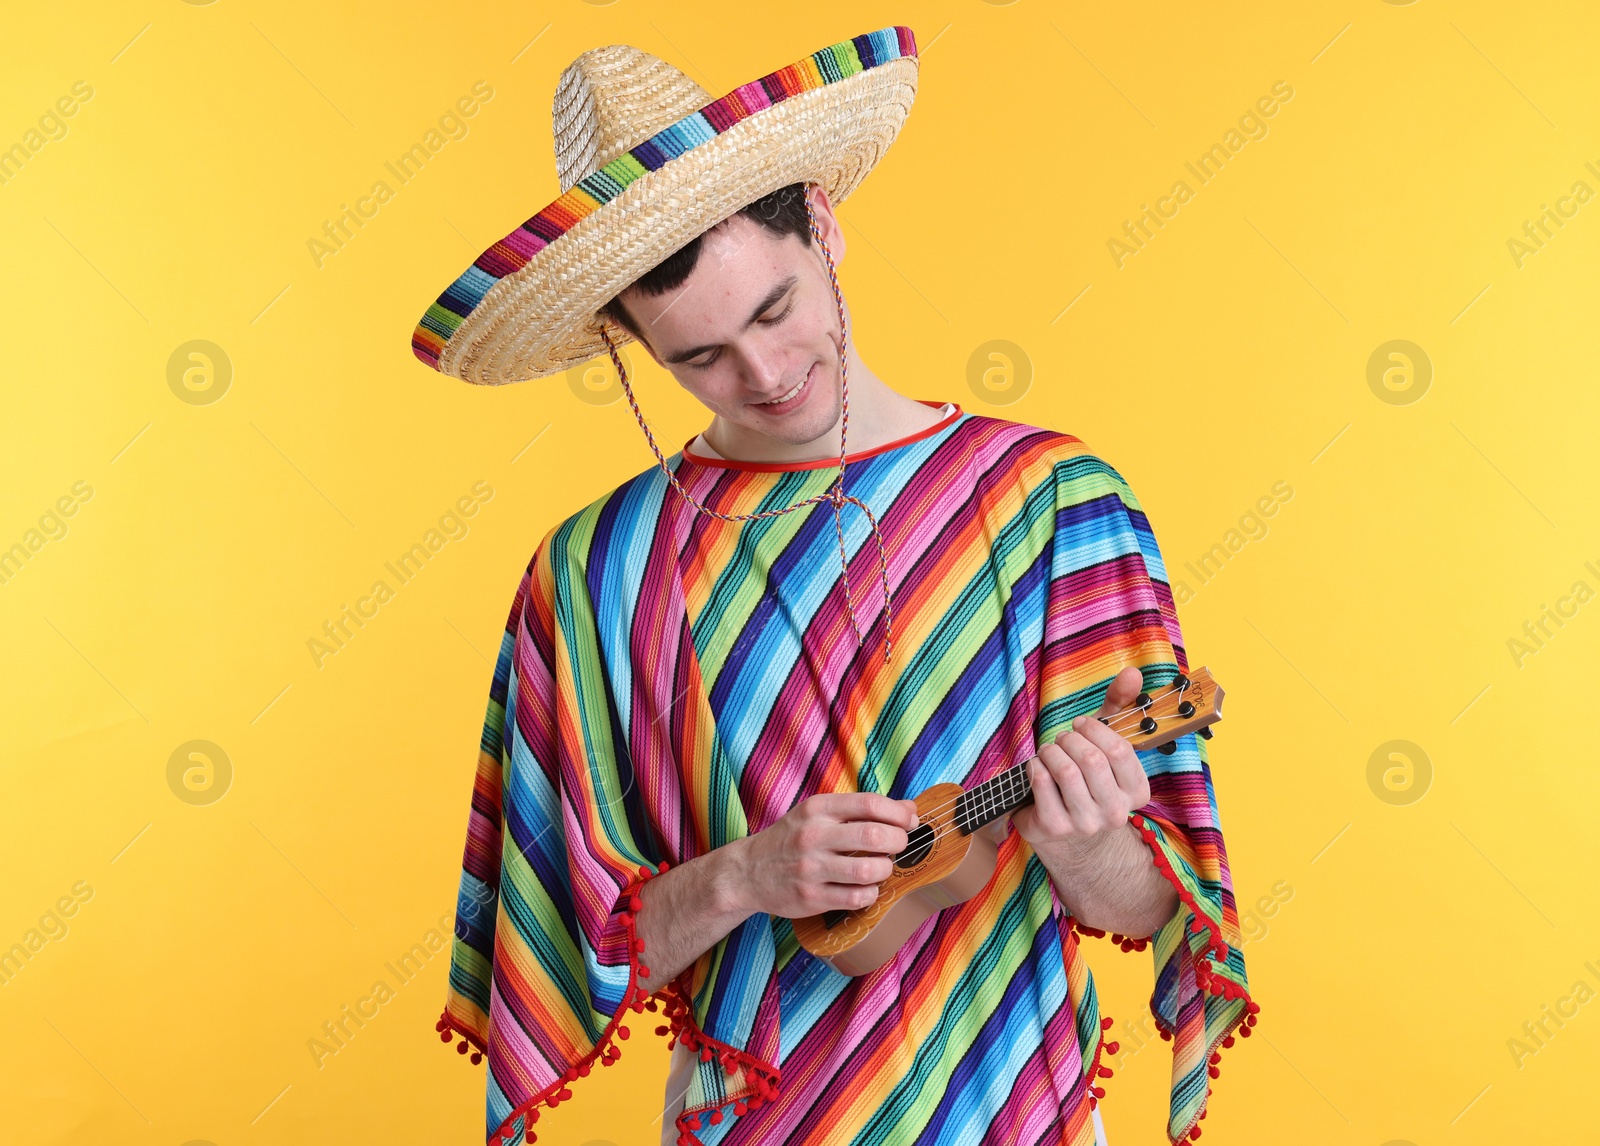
(828, 853)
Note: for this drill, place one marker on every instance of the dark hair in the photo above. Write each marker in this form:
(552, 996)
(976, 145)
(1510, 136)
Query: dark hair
(782, 212)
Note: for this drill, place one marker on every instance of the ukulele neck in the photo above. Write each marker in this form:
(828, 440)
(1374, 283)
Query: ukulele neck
(996, 797)
(1154, 720)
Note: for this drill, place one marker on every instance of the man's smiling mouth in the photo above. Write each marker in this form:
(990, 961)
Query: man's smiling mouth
(791, 394)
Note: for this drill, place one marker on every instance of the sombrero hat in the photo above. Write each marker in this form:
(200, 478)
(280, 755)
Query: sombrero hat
(647, 161)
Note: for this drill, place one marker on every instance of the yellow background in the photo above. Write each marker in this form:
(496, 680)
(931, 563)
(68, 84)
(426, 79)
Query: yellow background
(1231, 353)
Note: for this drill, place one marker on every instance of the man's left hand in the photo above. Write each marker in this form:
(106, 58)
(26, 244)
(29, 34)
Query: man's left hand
(1087, 782)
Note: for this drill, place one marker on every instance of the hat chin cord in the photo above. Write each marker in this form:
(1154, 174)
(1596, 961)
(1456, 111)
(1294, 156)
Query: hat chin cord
(834, 494)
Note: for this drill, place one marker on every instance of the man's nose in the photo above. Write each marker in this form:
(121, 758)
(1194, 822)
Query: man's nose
(764, 368)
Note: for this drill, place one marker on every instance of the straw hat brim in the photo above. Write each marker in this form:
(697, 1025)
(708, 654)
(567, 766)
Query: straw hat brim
(527, 306)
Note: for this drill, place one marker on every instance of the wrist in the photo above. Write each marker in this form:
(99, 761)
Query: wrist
(729, 889)
(1078, 855)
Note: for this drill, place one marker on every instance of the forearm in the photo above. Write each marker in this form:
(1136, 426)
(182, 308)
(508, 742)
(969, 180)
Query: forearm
(1110, 882)
(686, 910)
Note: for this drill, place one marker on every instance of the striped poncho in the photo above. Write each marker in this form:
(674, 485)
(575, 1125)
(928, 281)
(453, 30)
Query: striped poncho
(668, 682)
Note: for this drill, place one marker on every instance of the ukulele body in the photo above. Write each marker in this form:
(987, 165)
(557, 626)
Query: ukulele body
(951, 869)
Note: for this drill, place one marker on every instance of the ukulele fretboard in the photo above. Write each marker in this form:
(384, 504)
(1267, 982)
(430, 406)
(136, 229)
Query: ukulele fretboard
(992, 799)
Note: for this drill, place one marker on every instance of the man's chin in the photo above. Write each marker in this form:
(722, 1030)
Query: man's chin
(813, 430)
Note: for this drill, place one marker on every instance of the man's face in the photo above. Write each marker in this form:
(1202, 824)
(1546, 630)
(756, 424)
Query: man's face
(755, 320)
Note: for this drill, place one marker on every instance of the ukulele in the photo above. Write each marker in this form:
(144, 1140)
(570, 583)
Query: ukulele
(951, 854)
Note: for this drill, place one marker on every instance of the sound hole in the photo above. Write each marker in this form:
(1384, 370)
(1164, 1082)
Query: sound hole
(832, 919)
(918, 844)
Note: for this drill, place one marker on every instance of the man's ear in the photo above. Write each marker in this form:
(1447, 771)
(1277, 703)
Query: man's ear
(827, 223)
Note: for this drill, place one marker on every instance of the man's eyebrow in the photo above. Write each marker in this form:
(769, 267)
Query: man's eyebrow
(773, 295)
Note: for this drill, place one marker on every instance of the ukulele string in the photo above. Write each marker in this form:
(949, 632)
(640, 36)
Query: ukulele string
(1132, 716)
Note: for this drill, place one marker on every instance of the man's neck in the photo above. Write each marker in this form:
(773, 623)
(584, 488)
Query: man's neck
(878, 415)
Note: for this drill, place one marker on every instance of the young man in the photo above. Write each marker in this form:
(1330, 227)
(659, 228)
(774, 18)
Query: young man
(721, 684)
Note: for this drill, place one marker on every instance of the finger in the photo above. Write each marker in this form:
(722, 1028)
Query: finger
(1124, 761)
(1081, 807)
(1049, 811)
(1095, 768)
(854, 871)
(869, 836)
(849, 806)
(1123, 690)
(844, 896)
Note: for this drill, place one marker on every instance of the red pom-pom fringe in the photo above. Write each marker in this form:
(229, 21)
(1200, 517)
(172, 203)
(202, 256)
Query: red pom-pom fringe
(758, 1075)
(680, 1028)
(1096, 1068)
(1246, 1020)
(1216, 952)
(1217, 947)
(1126, 942)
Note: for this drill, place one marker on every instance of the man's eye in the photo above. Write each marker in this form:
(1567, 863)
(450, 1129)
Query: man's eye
(773, 321)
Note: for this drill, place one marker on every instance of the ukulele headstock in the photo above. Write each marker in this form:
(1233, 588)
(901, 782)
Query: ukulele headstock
(1185, 704)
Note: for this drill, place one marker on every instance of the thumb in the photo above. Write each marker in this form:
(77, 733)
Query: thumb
(1122, 691)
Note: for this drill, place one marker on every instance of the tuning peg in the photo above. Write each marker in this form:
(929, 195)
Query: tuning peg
(1206, 732)
(1180, 682)
(1168, 748)
(1142, 700)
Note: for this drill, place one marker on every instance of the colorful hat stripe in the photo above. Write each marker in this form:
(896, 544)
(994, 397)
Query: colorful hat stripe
(829, 65)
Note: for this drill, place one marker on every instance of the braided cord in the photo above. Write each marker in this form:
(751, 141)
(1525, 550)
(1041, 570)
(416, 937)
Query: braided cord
(834, 495)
